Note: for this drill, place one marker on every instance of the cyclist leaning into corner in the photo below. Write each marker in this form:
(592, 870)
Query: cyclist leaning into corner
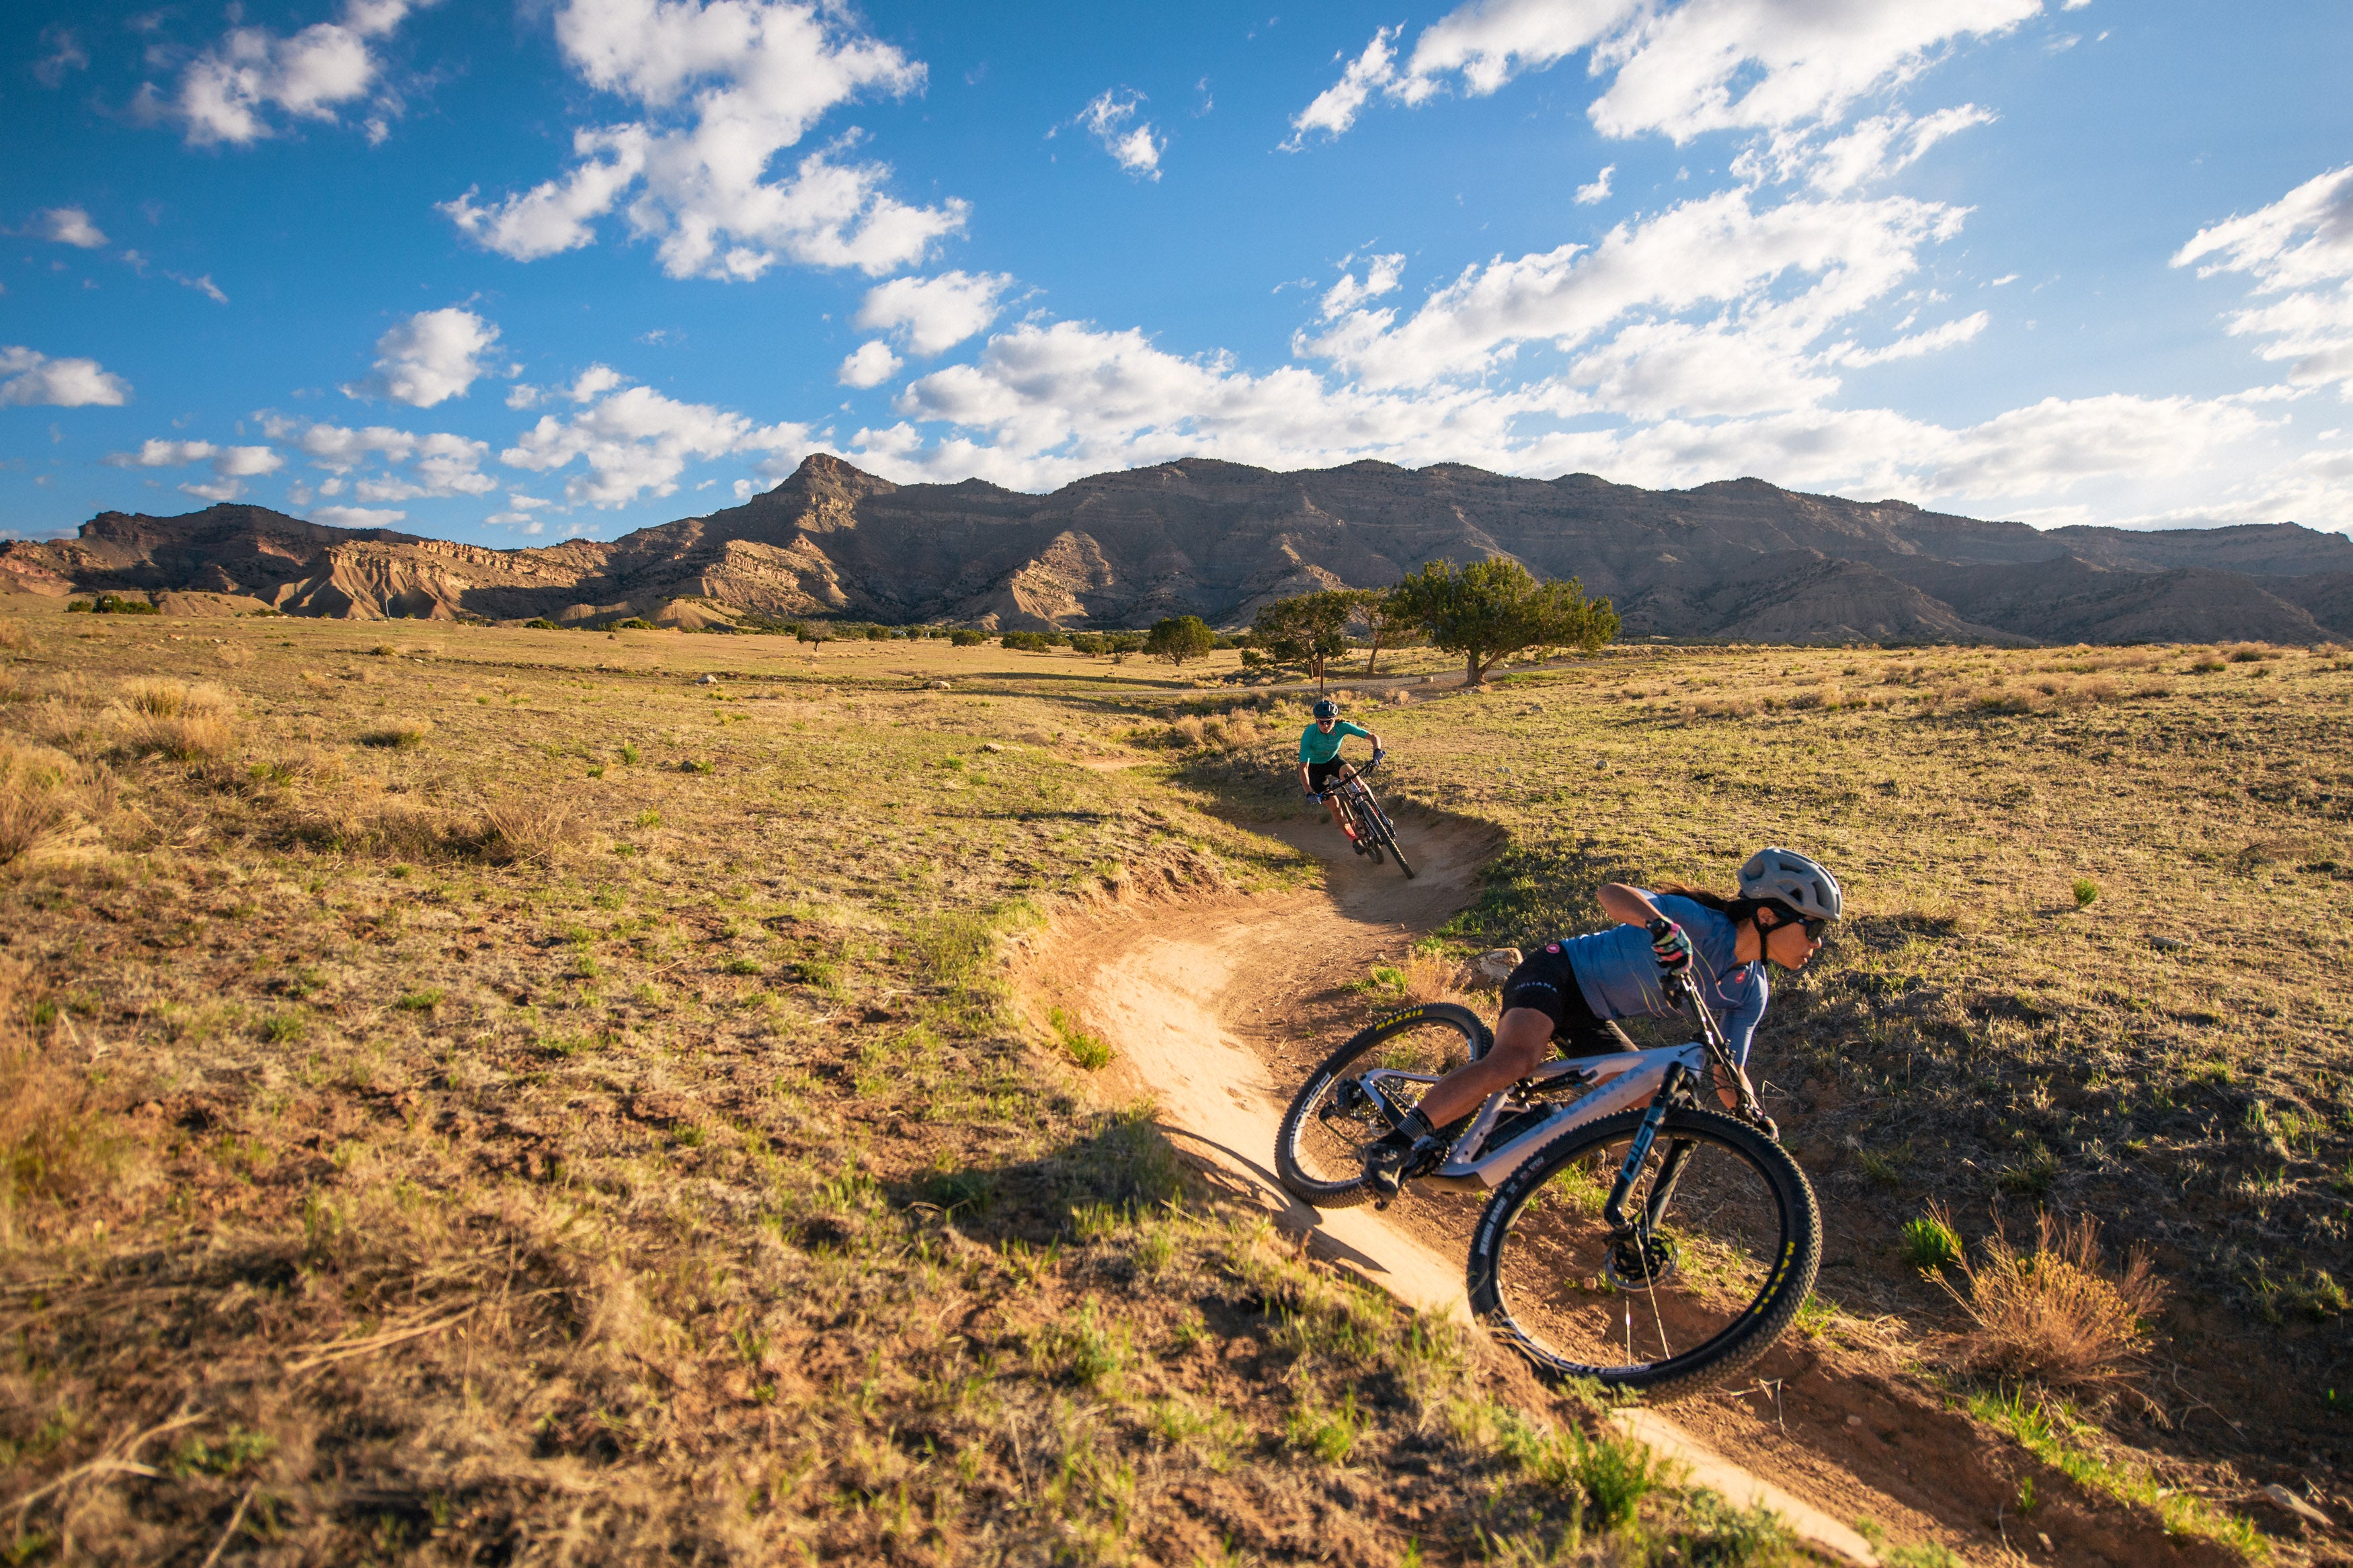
(1319, 759)
(1572, 991)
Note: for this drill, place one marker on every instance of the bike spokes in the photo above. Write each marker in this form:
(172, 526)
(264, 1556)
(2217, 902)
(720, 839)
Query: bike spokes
(1685, 1274)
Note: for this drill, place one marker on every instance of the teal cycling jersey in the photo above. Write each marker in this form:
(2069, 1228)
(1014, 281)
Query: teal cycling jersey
(1315, 746)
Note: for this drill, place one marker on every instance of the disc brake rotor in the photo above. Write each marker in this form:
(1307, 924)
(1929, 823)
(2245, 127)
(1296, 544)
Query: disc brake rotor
(1634, 1265)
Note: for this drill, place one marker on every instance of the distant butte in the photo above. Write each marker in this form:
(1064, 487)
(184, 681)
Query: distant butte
(1737, 560)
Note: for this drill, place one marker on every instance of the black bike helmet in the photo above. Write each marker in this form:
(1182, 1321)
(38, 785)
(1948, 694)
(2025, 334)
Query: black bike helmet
(1327, 708)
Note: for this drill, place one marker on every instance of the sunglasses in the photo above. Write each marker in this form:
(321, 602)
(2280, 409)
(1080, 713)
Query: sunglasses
(1812, 928)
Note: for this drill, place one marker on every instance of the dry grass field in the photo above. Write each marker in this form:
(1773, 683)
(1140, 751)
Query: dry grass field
(482, 1094)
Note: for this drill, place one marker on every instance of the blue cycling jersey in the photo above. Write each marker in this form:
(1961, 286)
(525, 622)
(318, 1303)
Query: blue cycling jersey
(1618, 973)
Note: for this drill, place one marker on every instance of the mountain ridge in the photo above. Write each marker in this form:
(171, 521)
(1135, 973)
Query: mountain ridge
(1734, 560)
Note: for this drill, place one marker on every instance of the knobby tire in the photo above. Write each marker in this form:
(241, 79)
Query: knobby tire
(1538, 1233)
(1312, 1154)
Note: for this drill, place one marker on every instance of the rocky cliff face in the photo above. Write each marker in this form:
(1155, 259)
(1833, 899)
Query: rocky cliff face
(1741, 560)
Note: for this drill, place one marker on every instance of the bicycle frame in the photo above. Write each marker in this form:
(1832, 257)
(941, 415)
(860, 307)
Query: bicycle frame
(1618, 1082)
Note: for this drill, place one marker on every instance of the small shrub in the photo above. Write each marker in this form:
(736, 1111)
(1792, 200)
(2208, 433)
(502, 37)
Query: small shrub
(964, 636)
(540, 624)
(633, 624)
(629, 755)
(187, 723)
(1089, 1051)
(2086, 891)
(1930, 1242)
(13, 637)
(537, 828)
(697, 765)
(402, 735)
(2056, 1313)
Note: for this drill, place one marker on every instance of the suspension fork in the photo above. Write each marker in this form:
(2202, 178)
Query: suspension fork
(1614, 1211)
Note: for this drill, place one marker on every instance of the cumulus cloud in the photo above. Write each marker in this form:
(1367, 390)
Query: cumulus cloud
(232, 91)
(1679, 70)
(355, 517)
(1724, 256)
(30, 378)
(1111, 119)
(1047, 403)
(431, 357)
(2299, 253)
(931, 315)
(634, 442)
(723, 88)
(68, 225)
(1598, 191)
(231, 465)
(1381, 274)
(408, 466)
(869, 364)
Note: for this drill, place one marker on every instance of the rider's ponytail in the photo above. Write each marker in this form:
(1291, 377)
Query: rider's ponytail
(1733, 910)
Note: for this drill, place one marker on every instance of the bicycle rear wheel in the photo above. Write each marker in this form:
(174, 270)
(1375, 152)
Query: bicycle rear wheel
(1725, 1251)
(1319, 1152)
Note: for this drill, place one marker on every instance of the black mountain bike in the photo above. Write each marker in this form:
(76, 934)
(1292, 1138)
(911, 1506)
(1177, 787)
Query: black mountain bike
(1632, 1236)
(1375, 831)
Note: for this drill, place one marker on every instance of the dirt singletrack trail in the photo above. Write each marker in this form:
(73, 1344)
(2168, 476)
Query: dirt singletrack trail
(1216, 1009)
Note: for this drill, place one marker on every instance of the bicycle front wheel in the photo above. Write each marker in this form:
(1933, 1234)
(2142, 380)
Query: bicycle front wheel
(1726, 1240)
(1388, 836)
(1320, 1151)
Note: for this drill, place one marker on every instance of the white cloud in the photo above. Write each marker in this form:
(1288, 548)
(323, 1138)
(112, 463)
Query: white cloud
(1873, 149)
(1913, 347)
(870, 364)
(68, 225)
(431, 357)
(355, 517)
(1598, 191)
(227, 92)
(636, 441)
(66, 53)
(2294, 248)
(156, 454)
(34, 378)
(409, 465)
(1336, 107)
(1381, 274)
(231, 465)
(1044, 405)
(245, 462)
(931, 315)
(204, 285)
(1718, 254)
(1679, 70)
(1135, 147)
(725, 86)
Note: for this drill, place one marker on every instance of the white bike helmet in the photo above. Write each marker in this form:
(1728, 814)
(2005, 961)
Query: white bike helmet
(1789, 877)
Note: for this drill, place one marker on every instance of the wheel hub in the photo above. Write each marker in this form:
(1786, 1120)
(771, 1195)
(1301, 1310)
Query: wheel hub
(1636, 1264)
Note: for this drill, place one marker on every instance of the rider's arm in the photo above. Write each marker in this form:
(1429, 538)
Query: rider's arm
(1627, 905)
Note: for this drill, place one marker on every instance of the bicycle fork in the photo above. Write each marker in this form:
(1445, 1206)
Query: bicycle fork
(1663, 1191)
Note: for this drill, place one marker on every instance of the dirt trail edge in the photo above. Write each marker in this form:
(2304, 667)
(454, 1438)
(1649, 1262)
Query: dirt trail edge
(1181, 991)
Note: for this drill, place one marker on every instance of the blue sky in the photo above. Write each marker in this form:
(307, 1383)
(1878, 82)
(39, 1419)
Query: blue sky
(510, 275)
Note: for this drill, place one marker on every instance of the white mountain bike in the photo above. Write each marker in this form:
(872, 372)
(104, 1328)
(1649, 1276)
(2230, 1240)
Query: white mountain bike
(1632, 1236)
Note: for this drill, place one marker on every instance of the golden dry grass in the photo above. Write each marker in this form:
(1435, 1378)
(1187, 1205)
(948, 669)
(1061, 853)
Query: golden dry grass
(2057, 1313)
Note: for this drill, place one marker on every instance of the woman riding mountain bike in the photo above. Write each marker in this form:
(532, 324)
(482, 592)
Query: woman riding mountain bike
(1571, 992)
(1319, 760)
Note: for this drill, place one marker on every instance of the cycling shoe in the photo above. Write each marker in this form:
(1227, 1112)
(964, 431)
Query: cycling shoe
(1393, 1161)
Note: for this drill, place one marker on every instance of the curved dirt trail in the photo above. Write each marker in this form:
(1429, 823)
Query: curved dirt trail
(1198, 1001)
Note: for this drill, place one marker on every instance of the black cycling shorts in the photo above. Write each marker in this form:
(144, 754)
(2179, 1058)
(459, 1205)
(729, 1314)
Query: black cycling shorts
(1546, 982)
(1319, 774)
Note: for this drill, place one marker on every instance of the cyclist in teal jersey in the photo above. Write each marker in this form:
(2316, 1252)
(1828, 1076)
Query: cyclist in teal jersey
(1319, 759)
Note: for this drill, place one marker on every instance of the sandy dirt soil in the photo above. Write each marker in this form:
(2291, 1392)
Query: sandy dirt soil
(1216, 1009)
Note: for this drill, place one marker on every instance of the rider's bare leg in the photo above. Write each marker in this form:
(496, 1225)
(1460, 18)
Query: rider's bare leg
(1523, 1040)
